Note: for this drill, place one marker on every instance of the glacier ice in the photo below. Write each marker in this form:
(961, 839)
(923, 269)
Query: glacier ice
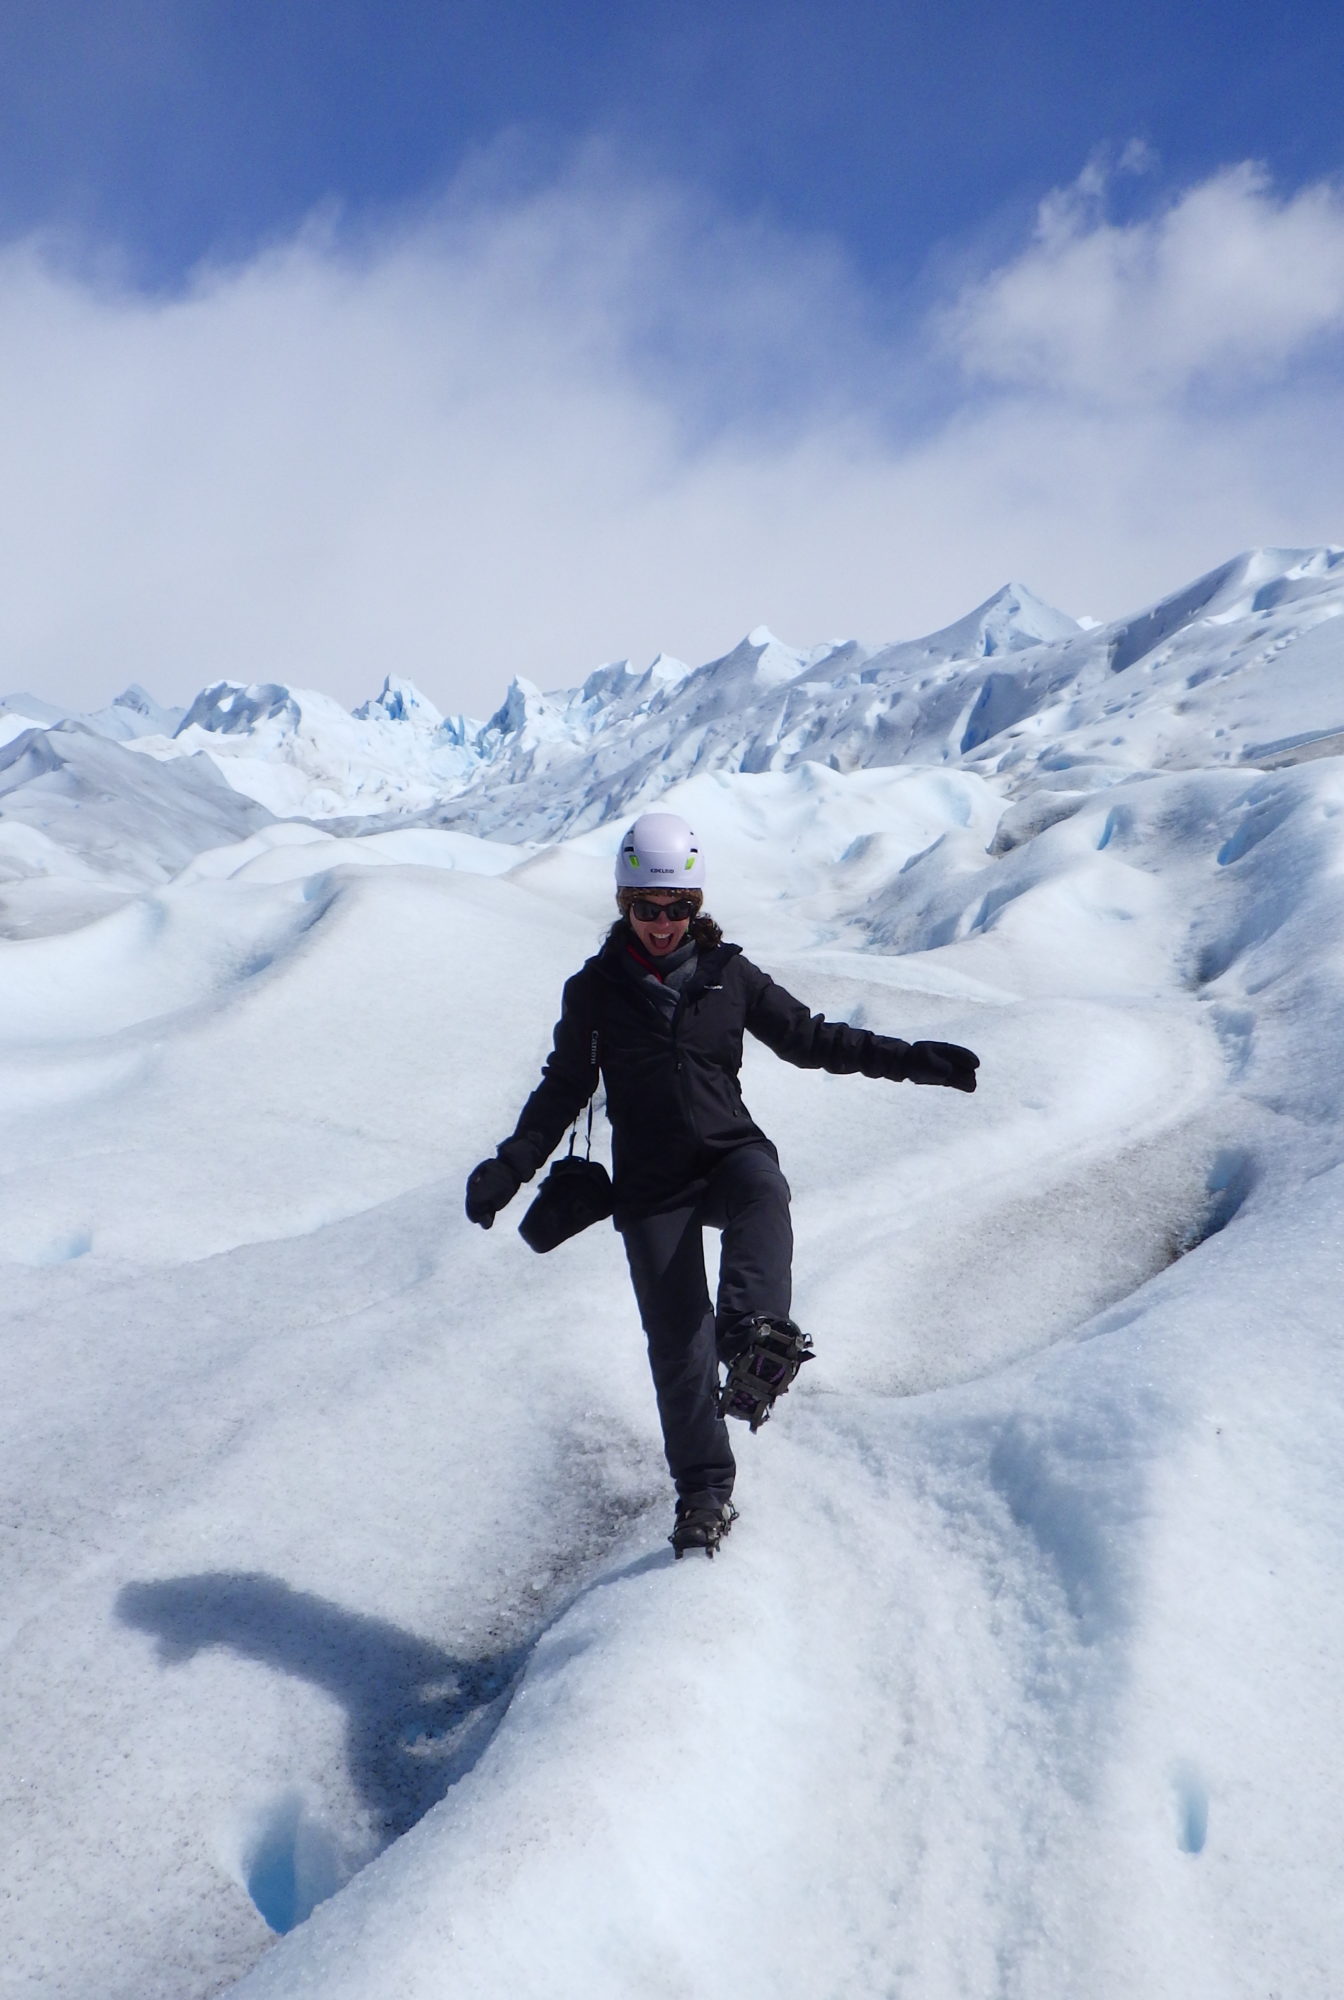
(313, 1625)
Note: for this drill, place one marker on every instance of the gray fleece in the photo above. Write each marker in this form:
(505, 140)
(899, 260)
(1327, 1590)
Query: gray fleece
(676, 969)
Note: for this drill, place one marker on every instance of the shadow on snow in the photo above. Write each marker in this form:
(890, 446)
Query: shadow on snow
(418, 1717)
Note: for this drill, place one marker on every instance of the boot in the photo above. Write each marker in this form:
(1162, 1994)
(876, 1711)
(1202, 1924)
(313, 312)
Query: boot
(699, 1527)
(762, 1355)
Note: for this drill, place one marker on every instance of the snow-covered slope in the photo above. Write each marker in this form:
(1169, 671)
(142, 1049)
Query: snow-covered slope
(132, 713)
(83, 824)
(336, 1600)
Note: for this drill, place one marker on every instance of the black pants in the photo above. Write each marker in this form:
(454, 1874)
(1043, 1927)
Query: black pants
(748, 1199)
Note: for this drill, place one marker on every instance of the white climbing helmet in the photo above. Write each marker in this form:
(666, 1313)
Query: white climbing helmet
(659, 852)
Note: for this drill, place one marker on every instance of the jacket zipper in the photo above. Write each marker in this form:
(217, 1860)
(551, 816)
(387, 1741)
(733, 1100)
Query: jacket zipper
(683, 1082)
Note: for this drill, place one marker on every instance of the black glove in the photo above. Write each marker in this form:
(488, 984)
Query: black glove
(493, 1184)
(942, 1062)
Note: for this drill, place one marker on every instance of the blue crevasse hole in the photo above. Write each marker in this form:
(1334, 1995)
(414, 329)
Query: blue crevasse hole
(1192, 1812)
(292, 1866)
(62, 1249)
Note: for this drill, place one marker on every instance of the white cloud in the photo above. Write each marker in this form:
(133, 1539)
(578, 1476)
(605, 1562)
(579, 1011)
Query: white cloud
(1226, 284)
(526, 434)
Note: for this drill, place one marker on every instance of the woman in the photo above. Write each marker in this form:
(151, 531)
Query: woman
(659, 1013)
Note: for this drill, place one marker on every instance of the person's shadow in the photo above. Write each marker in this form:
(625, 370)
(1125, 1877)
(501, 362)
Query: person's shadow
(418, 1717)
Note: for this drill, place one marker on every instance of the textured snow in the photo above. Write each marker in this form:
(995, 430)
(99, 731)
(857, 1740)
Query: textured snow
(336, 1597)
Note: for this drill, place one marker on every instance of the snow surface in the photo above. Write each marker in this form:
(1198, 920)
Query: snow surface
(337, 1601)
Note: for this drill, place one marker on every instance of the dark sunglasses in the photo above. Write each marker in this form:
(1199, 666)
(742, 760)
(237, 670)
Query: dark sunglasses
(679, 911)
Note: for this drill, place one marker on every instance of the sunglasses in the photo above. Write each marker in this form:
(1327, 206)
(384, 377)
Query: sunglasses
(679, 911)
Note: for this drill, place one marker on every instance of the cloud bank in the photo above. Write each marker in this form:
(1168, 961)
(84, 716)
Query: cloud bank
(527, 432)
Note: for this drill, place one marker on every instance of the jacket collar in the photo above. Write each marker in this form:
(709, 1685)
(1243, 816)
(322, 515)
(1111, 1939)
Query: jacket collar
(671, 961)
(708, 972)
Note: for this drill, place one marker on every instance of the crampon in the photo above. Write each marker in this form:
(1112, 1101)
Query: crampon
(765, 1358)
(701, 1528)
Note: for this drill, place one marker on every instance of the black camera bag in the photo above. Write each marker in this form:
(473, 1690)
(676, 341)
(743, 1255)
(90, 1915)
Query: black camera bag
(574, 1195)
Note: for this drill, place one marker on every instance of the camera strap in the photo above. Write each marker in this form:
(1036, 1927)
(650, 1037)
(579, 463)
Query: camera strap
(574, 1128)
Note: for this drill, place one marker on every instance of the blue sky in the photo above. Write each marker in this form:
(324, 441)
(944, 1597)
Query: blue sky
(463, 340)
(178, 128)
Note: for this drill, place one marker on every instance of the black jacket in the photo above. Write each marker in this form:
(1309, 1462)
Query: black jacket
(673, 1095)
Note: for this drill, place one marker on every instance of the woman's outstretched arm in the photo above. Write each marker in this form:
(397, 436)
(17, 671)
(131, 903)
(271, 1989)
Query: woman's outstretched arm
(812, 1042)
